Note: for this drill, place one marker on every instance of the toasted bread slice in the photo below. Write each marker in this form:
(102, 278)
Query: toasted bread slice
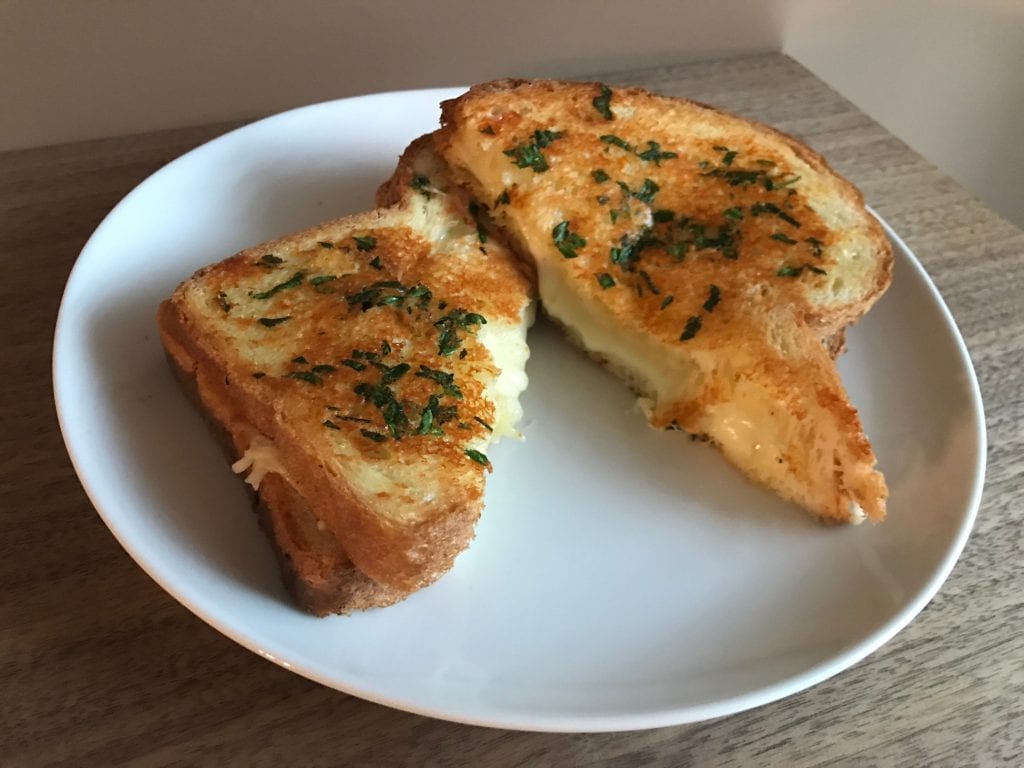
(710, 261)
(361, 369)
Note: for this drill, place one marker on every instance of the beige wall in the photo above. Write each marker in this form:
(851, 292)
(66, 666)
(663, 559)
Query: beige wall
(945, 75)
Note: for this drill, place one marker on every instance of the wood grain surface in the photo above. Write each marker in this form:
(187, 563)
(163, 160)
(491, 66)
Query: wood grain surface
(98, 666)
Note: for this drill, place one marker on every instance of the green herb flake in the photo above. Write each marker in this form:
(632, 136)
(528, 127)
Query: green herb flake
(663, 216)
(330, 424)
(324, 244)
(649, 282)
(444, 378)
(323, 368)
(605, 280)
(354, 418)
(714, 296)
(270, 322)
(488, 129)
(600, 176)
(222, 302)
(788, 219)
(735, 213)
(458, 319)
(647, 192)
(787, 182)
(816, 246)
(308, 376)
(269, 260)
(355, 365)
(502, 199)
(609, 138)
(478, 457)
(729, 156)
(377, 437)
(654, 153)
(259, 375)
(816, 270)
(301, 360)
(483, 423)
(790, 271)
(293, 282)
(530, 155)
(602, 103)
(321, 279)
(567, 242)
(666, 301)
(758, 208)
(375, 263)
(365, 243)
(678, 250)
(693, 325)
(782, 237)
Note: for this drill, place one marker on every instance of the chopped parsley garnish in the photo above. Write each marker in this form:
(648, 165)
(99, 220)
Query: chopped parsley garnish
(475, 212)
(307, 376)
(787, 182)
(292, 282)
(647, 192)
(530, 155)
(816, 245)
(758, 208)
(488, 129)
(733, 213)
(222, 302)
(729, 156)
(600, 176)
(567, 242)
(354, 418)
(422, 185)
(816, 270)
(664, 215)
(654, 153)
(365, 243)
(391, 373)
(650, 283)
(478, 457)
(450, 325)
(377, 437)
(270, 322)
(259, 375)
(502, 199)
(269, 260)
(783, 238)
(609, 138)
(483, 423)
(788, 219)
(444, 378)
(324, 244)
(602, 103)
(605, 280)
(714, 296)
(355, 365)
(389, 293)
(375, 263)
(666, 301)
(678, 250)
(323, 368)
(790, 271)
(383, 398)
(319, 280)
(693, 325)
(300, 359)
(330, 424)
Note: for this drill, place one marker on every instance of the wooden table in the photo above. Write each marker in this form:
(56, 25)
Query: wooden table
(98, 666)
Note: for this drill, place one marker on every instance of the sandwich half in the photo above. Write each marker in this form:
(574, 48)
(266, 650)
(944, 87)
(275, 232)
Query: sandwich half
(357, 373)
(710, 261)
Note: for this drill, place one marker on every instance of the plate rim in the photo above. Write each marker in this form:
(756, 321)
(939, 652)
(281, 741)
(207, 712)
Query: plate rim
(578, 723)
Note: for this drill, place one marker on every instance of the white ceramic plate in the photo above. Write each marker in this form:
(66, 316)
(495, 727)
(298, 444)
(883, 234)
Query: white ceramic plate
(621, 578)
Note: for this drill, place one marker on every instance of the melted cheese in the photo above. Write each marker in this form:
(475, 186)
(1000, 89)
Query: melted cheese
(507, 345)
(259, 460)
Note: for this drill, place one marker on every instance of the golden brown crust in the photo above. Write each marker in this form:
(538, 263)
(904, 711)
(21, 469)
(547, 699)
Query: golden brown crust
(314, 568)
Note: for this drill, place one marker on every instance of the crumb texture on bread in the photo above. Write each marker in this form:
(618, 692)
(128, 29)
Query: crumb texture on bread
(710, 261)
(372, 360)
